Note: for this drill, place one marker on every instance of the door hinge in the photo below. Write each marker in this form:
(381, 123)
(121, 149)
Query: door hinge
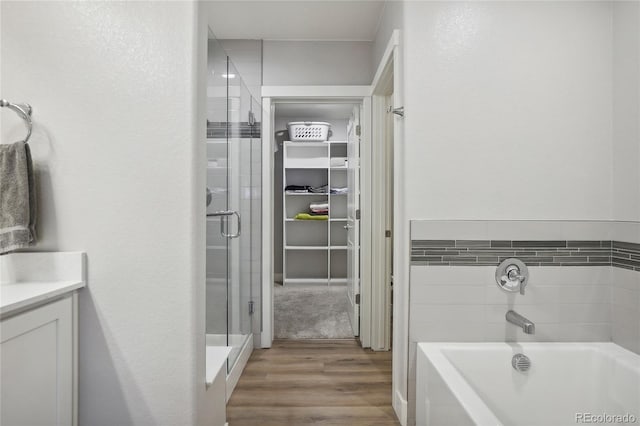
(251, 119)
(358, 214)
(387, 233)
(252, 307)
(357, 299)
(358, 130)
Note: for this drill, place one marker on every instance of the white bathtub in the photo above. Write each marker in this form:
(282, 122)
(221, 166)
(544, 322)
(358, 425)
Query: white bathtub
(567, 384)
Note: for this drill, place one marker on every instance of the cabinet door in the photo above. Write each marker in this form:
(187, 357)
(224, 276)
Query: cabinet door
(36, 366)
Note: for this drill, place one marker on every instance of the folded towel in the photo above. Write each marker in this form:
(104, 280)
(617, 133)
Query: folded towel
(307, 216)
(338, 162)
(319, 189)
(320, 206)
(17, 197)
(297, 188)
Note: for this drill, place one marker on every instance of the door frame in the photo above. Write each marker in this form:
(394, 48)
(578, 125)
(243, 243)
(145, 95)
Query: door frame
(381, 328)
(354, 248)
(272, 95)
(390, 72)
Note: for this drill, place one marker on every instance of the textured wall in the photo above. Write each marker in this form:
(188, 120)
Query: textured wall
(392, 19)
(114, 143)
(626, 111)
(506, 118)
(316, 63)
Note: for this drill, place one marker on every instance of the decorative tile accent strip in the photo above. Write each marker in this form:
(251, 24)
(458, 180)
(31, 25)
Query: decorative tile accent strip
(533, 253)
(625, 255)
(242, 129)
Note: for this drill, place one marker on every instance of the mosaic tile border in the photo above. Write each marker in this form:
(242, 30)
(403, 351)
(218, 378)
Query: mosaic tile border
(242, 129)
(625, 255)
(533, 253)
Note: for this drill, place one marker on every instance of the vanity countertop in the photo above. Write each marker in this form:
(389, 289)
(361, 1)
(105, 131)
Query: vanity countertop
(29, 279)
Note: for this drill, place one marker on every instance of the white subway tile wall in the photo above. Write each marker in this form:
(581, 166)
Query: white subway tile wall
(593, 301)
(625, 308)
(464, 303)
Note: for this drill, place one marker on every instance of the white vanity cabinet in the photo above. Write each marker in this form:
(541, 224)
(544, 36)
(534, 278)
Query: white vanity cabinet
(38, 338)
(37, 364)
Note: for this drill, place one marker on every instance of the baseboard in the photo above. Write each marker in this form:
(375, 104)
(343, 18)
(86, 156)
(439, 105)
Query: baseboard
(238, 367)
(400, 407)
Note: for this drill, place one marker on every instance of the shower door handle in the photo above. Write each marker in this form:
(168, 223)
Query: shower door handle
(237, 234)
(226, 213)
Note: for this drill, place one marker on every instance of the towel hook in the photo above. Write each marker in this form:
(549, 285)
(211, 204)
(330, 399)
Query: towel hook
(23, 111)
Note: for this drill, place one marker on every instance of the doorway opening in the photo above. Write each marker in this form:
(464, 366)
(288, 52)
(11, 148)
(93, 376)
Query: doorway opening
(336, 253)
(316, 219)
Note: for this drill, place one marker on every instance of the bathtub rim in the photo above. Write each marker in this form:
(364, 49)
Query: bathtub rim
(471, 402)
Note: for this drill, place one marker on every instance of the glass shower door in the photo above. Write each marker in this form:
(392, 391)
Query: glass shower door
(234, 223)
(238, 174)
(217, 248)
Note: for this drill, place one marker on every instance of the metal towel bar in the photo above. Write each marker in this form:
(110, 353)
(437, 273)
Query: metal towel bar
(24, 111)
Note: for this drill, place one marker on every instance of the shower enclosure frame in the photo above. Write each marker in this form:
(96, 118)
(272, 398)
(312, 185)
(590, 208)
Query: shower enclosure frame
(233, 258)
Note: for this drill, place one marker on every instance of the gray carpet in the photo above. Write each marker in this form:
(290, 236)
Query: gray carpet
(311, 312)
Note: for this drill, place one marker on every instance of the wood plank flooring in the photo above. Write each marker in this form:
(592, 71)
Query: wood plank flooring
(314, 382)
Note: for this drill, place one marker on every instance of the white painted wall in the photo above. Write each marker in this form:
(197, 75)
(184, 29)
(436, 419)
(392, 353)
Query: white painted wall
(116, 124)
(294, 20)
(316, 63)
(392, 18)
(246, 57)
(508, 110)
(626, 110)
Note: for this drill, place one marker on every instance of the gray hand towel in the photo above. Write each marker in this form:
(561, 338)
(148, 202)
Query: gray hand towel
(17, 197)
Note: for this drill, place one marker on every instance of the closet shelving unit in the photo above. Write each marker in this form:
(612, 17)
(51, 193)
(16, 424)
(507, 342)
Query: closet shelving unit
(314, 251)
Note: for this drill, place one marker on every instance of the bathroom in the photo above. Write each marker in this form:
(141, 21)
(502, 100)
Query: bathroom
(520, 138)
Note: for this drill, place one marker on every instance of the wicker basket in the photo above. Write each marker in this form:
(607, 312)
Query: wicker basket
(308, 131)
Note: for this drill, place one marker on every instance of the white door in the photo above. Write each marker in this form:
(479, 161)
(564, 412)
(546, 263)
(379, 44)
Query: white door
(353, 219)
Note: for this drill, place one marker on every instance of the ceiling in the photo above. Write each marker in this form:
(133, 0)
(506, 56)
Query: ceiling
(353, 20)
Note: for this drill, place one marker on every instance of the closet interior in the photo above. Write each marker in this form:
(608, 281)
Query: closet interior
(311, 195)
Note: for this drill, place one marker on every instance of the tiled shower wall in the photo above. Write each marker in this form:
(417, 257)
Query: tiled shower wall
(584, 281)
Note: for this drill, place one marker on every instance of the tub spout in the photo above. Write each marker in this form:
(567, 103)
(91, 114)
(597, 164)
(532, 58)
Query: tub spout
(515, 318)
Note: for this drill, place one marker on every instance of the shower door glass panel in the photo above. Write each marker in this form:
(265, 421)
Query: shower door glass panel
(217, 246)
(239, 182)
(234, 224)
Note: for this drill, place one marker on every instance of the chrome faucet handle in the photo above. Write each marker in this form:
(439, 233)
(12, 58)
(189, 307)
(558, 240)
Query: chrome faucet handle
(512, 275)
(523, 284)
